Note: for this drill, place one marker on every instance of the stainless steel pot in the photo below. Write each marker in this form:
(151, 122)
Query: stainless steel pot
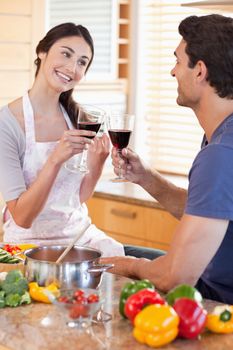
(79, 269)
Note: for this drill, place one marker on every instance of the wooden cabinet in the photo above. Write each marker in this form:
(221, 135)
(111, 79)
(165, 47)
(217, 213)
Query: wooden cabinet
(133, 224)
(123, 39)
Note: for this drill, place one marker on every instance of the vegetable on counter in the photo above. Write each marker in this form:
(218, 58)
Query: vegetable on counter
(192, 317)
(7, 257)
(12, 249)
(14, 290)
(136, 302)
(183, 291)
(221, 319)
(38, 293)
(131, 288)
(156, 325)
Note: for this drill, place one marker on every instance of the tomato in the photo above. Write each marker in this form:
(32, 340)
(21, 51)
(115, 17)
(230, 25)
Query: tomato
(93, 298)
(78, 293)
(78, 310)
(63, 299)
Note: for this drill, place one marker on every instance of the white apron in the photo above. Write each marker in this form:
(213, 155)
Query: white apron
(62, 215)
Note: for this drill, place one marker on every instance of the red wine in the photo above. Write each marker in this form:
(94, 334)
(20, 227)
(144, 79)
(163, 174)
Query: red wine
(89, 126)
(119, 138)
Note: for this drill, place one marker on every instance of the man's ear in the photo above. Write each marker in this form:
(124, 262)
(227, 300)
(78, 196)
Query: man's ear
(201, 71)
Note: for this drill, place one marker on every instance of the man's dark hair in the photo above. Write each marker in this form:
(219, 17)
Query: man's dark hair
(210, 39)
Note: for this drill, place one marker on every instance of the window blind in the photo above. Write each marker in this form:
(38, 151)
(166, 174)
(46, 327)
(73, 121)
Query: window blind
(99, 18)
(172, 135)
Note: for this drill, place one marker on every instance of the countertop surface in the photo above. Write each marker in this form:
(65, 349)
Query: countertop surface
(43, 327)
(132, 193)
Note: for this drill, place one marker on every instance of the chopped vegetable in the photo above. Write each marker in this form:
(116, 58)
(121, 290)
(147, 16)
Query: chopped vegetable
(192, 317)
(136, 302)
(156, 325)
(39, 293)
(12, 249)
(221, 320)
(183, 291)
(7, 258)
(131, 288)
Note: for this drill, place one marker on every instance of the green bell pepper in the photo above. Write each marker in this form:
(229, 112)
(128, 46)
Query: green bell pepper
(183, 291)
(131, 288)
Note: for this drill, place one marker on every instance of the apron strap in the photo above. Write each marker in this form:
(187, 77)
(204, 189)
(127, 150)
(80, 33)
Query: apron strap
(28, 119)
(67, 119)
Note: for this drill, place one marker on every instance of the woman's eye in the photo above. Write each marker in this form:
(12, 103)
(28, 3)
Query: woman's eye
(66, 54)
(82, 63)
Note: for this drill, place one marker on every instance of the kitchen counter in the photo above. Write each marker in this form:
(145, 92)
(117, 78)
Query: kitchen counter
(131, 193)
(42, 327)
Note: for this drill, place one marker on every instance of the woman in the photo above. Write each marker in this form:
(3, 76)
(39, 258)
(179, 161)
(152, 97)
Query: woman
(38, 134)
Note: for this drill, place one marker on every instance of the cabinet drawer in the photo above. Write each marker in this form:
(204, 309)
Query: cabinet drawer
(117, 217)
(133, 224)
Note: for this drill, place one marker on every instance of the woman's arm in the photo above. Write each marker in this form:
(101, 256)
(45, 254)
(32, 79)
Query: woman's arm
(29, 204)
(97, 155)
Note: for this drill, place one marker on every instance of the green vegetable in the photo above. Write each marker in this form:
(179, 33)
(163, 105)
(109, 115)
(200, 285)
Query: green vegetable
(25, 298)
(131, 288)
(12, 300)
(2, 299)
(14, 283)
(183, 291)
(7, 258)
(14, 290)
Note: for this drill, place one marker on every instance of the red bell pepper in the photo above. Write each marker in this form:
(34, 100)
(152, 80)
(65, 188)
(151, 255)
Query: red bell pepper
(136, 302)
(192, 317)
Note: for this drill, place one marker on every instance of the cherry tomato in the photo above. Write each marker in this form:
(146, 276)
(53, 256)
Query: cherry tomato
(78, 310)
(92, 298)
(78, 293)
(63, 299)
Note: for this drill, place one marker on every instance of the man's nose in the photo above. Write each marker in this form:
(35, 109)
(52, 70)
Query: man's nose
(172, 72)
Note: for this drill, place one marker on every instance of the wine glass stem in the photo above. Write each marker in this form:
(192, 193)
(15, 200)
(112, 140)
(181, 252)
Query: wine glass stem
(119, 167)
(83, 162)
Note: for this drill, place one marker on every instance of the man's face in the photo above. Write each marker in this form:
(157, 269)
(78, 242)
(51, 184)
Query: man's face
(187, 93)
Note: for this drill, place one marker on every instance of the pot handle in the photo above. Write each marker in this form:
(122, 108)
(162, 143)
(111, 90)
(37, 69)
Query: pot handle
(100, 268)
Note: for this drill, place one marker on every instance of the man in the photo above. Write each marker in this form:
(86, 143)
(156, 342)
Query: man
(202, 249)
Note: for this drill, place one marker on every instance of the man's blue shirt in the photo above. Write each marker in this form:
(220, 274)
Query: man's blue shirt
(210, 194)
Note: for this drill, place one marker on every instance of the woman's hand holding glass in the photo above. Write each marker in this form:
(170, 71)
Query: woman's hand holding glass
(73, 142)
(89, 118)
(99, 150)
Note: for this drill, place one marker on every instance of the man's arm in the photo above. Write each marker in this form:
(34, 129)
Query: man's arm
(171, 197)
(195, 242)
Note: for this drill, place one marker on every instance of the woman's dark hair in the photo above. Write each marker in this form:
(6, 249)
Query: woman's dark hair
(210, 39)
(61, 31)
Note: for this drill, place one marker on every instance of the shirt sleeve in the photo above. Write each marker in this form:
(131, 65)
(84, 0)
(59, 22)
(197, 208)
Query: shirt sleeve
(210, 192)
(12, 148)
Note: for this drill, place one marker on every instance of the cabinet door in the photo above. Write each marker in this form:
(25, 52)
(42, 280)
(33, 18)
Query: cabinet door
(133, 224)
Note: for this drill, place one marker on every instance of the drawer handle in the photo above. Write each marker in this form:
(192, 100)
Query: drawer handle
(124, 214)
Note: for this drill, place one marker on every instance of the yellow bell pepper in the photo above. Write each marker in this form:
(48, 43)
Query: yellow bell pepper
(37, 293)
(221, 319)
(156, 325)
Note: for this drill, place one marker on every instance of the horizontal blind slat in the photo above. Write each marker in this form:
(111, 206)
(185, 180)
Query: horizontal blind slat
(172, 133)
(98, 22)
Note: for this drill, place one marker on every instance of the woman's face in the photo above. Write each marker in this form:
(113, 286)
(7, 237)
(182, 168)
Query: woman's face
(65, 64)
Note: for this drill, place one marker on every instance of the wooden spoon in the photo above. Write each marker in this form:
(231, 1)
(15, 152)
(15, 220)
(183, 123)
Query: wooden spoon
(70, 246)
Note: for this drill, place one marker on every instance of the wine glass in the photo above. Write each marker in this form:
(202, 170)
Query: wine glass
(120, 126)
(89, 118)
